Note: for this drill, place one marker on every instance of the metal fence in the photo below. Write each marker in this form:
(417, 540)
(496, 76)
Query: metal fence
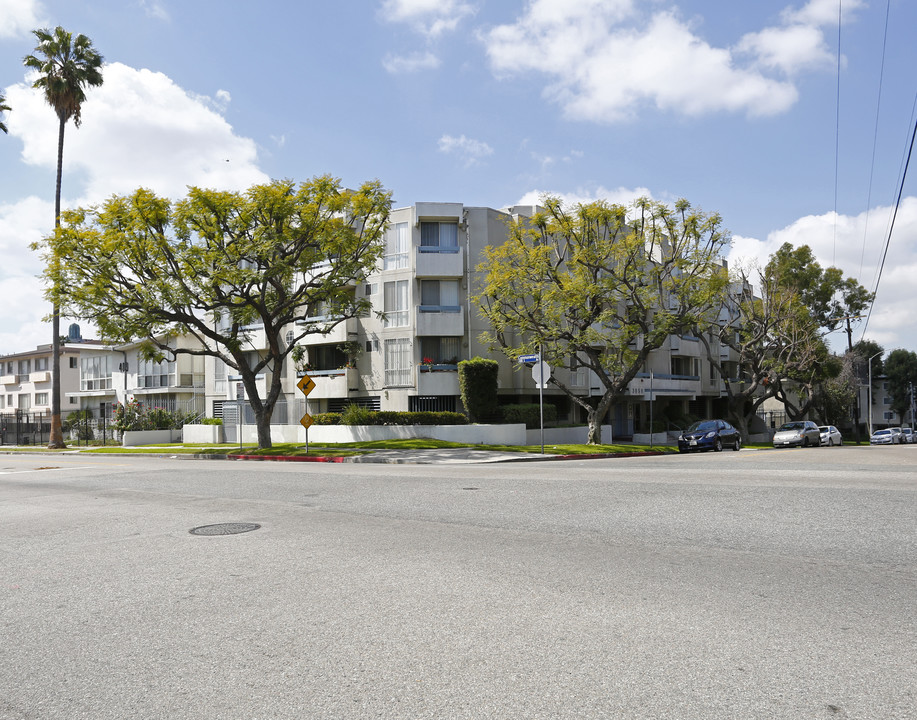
(21, 427)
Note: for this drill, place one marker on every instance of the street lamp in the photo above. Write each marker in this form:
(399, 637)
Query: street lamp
(869, 389)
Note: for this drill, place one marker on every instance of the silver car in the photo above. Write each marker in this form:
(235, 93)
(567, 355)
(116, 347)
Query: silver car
(909, 435)
(830, 435)
(888, 436)
(802, 433)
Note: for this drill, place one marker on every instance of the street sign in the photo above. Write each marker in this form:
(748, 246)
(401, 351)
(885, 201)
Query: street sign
(541, 373)
(306, 421)
(305, 384)
(528, 358)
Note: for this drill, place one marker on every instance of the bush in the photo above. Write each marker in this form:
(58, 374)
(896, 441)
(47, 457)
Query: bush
(137, 416)
(395, 417)
(329, 418)
(478, 385)
(211, 421)
(529, 413)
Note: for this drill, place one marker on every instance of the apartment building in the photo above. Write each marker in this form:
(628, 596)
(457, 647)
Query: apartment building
(25, 377)
(404, 354)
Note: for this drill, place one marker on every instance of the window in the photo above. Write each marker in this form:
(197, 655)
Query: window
(886, 400)
(441, 350)
(41, 363)
(685, 366)
(41, 398)
(23, 370)
(438, 237)
(152, 374)
(397, 245)
(396, 304)
(25, 402)
(398, 362)
(219, 376)
(439, 296)
(95, 372)
(73, 363)
(327, 357)
(72, 400)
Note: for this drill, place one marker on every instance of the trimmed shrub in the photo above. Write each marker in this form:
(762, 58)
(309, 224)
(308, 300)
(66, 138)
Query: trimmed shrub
(529, 413)
(329, 418)
(211, 421)
(478, 386)
(395, 417)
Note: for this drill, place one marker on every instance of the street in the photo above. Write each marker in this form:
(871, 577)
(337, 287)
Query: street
(758, 584)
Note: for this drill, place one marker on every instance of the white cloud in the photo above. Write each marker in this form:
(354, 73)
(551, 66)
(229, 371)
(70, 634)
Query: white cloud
(471, 150)
(429, 17)
(414, 62)
(139, 129)
(155, 9)
(615, 196)
(854, 244)
(607, 61)
(20, 17)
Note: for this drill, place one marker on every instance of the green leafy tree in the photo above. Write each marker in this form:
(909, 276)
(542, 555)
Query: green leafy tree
(66, 66)
(232, 270)
(592, 287)
(3, 108)
(901, 373)
(478, 386)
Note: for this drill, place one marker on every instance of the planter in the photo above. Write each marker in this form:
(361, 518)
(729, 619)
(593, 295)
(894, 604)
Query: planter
(203, 434)
(149, 437)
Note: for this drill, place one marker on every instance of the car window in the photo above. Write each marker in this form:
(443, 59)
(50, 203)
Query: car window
(792, 426)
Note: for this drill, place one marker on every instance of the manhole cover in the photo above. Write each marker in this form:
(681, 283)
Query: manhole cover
(224, 529)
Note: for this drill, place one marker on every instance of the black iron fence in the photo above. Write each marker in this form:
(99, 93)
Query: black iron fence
(23, 427)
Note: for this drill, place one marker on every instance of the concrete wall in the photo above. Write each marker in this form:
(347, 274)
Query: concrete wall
(475, 434)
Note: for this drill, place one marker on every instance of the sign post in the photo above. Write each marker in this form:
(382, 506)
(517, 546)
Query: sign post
(306, 385)
(541, 373)
(240, 404)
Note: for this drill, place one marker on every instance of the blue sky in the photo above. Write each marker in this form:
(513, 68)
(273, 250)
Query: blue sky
(732, 106)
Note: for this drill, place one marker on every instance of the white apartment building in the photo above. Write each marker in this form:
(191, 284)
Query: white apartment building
(406, 358)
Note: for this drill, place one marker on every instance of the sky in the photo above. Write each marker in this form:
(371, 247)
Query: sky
(792, 120)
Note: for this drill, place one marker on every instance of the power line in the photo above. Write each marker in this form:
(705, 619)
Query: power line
(891, 227)
(875, 138)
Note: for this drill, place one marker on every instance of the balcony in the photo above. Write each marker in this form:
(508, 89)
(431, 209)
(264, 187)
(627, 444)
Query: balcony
(40, 376)
(446, 320)
(332, 383)
(435, 261)
(664, 385)
(8, 380)
(438, 380)
(342, 332)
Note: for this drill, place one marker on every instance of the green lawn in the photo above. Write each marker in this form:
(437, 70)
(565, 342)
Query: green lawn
(356, 448)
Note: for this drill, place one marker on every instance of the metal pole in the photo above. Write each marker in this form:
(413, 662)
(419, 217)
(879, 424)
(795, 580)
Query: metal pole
(541, 391)
(869, 389)
(651, 409)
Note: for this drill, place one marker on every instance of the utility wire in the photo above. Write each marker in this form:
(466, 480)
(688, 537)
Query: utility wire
(837, 129)
(875, 138)
(891, 227)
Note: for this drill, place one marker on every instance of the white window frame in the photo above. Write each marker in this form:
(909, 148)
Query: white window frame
(398, 362)
(397, 247)
(397, 303)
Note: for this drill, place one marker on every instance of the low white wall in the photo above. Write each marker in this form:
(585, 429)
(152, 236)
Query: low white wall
(204, 434)
(654, 439)
(149, 437)
(513, 434)
(566, 436)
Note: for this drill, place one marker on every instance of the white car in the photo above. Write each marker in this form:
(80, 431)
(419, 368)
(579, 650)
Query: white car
(909, 435)
(888, 436)
(830, 435)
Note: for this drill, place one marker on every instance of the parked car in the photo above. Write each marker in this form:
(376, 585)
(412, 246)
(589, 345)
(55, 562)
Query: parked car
(830, 435)
(909, 435)
(803, 433)
(709, 435)
(899, 436)
(887, 436)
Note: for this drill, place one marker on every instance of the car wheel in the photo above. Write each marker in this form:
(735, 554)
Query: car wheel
(805, 442)
(830, 442)
(717, 445)
(738, 445)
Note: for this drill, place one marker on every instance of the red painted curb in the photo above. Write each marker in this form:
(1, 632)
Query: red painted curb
(287, 458)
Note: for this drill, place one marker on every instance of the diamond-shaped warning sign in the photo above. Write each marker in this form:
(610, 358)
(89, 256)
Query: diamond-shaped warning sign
(305, 384)
(306, 421)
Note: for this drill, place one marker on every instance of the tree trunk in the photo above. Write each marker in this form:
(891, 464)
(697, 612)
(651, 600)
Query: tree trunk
(56, 438)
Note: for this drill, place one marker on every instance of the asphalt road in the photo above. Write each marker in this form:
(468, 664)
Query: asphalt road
(759, 584)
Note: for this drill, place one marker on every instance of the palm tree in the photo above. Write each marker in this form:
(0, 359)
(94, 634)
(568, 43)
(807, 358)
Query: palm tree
(66, 66)
(3, 108)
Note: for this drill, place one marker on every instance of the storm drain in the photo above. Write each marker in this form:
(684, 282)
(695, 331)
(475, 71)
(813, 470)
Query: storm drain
(224, 529)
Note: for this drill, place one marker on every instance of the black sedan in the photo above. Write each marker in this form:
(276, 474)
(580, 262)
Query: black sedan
(709, 435)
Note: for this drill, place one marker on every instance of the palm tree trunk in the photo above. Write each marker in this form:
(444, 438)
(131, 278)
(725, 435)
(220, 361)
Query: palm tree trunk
(56, 438)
